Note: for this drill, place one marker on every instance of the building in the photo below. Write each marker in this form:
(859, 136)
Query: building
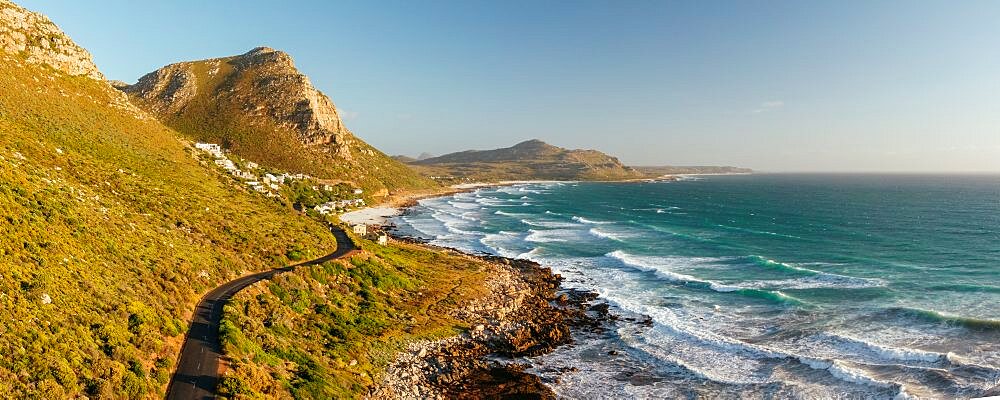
(243, 175)
(328, 188)
(360, 229)
(210, 148)
(252, 165)
(358, 191)
(326, 208)
(381, 238)
(225, 163)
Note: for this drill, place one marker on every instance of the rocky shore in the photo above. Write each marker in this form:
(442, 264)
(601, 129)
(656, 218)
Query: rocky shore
(526, 313)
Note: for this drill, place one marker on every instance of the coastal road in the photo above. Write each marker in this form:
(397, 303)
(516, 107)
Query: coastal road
(197, 372)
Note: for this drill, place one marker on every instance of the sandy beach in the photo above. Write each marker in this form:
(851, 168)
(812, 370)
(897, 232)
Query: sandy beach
(371, 215)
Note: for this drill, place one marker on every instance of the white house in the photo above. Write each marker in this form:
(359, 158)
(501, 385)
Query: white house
(252, 165)
(358, 191)
(243, 174)
(225, 163)
(360, 229)
(325, 208)
(210, 148)
(381, 238)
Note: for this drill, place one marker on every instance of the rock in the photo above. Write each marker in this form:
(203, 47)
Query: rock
(353, 362)
(523, 322)
(266, 85)
(40, 41)
(46, 299)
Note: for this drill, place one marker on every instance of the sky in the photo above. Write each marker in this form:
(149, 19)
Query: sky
(901, 86)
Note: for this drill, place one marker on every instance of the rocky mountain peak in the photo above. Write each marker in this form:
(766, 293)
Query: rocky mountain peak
(262, 85)
(40, 41)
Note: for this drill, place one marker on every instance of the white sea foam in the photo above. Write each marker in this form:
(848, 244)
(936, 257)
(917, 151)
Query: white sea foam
(739, 362)
(851, 346)
(814, 279)
(605, 235)
(823, 281)
(464, 205)
(492, 202)
(546, 236)
(509, 214)
(548, 224)
(529, 255)
(661, 266)
(503, 243)
(583, 220)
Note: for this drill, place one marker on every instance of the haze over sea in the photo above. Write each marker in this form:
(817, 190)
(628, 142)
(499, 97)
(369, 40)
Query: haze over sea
(844, 286)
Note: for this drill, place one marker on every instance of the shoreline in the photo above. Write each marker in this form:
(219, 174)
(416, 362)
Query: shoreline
(526, 313)
(397, 204)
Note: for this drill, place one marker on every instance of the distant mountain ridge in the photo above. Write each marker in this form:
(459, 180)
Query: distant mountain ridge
(692, 169)
(261, 107)
(532, 159)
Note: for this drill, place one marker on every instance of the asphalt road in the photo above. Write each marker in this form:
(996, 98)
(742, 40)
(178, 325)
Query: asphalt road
(197, 372)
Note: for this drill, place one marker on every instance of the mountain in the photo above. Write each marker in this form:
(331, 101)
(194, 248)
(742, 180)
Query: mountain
(404, 159)
(694, 169)
(112, 227)
(532, 159)
(259, 106)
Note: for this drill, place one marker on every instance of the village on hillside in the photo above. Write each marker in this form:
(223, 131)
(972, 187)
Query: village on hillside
(300, 189)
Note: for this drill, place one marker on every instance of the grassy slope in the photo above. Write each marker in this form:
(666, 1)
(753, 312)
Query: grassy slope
(122, 230)
(208, 119)
(295, 337)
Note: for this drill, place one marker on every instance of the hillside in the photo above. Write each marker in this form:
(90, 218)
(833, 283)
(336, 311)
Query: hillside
(259, 106)
(112, 228)
(532, 159)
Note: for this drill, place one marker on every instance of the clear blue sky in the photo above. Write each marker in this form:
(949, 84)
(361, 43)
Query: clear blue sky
(773, 85)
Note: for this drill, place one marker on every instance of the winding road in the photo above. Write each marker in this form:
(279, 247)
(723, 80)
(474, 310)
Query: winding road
(197, 372)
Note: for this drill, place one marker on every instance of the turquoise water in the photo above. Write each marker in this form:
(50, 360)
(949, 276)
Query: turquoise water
(788, 286)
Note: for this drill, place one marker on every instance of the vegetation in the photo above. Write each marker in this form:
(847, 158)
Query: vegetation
(217, 112)
(327, 331)
(532, 159)
(111, 231)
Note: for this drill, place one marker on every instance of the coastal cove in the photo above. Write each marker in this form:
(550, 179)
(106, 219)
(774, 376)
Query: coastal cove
(804, 284)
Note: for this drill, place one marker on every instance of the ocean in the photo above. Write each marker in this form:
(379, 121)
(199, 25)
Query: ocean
(757, 286)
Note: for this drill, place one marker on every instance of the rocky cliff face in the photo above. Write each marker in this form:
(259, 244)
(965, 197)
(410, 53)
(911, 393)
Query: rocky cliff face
(262, 84)
(259, 106)
(40, 41)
